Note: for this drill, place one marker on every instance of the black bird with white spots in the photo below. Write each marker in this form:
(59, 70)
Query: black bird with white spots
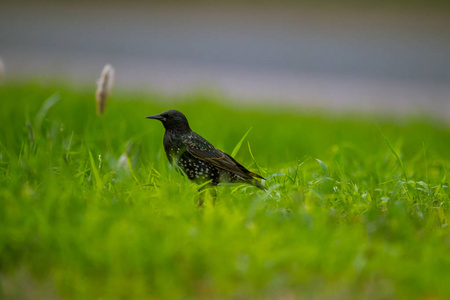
(200, 160)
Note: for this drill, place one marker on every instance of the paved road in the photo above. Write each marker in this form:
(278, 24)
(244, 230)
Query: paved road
(338, 59)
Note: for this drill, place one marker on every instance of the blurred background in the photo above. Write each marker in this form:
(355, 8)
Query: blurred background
(383, 56)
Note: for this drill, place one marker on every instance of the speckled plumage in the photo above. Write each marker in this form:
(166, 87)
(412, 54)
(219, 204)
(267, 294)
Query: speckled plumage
(200, 160)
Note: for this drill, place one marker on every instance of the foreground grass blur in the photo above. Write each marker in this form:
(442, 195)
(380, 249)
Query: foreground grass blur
(89, 207)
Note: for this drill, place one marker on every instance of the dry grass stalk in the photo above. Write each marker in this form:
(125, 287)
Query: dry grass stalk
(104, 86)
(2, 70)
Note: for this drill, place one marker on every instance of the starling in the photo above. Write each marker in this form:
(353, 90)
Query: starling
(200, 160)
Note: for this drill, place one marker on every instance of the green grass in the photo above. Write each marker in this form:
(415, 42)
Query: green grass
(90, 209)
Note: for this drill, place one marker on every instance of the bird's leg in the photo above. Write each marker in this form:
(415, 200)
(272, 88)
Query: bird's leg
(213, 194)
(202, 194)
(201, 200)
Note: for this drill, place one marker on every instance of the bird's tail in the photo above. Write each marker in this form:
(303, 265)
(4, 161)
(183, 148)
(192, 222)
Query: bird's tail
(256, 175)
(256, 182)
(259, 185)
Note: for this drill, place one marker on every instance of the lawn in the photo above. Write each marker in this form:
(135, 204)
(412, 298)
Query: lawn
(357, 207)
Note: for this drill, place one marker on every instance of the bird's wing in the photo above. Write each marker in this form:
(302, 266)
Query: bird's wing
(208, 153)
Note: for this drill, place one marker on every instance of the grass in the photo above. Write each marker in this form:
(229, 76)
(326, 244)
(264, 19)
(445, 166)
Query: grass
(89, 207)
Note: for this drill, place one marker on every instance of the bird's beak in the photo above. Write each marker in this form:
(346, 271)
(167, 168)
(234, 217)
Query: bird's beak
(156, 117)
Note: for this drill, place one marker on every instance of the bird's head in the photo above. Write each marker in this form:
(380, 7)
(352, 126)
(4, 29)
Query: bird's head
(172, 120)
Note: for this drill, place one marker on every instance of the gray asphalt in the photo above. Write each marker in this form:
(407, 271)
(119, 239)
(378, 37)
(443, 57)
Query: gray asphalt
(336, 59)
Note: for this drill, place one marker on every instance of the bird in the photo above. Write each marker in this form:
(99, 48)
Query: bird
(197, 157)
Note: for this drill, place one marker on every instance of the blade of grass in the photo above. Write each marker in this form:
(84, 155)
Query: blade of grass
(323, 166)
(98, 180)
(395, 153)
(239, 144)
(48, 103)
(130, 167)
(398, 158)
(251, 154)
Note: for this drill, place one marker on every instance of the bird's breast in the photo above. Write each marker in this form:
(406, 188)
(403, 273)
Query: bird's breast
(173, 146)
